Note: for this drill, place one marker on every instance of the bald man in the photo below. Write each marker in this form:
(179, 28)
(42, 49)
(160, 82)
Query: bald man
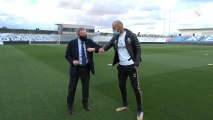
(128, 55)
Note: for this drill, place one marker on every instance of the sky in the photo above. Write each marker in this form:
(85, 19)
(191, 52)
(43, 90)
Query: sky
(163, 17)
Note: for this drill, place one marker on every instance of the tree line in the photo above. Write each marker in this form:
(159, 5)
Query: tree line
(27, 31)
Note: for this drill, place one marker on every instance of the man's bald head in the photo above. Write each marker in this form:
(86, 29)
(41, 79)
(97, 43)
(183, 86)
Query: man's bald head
(118, 25)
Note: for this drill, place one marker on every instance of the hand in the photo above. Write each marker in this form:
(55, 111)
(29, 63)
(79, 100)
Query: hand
(101, 50)
(75, 62)
(91, 49)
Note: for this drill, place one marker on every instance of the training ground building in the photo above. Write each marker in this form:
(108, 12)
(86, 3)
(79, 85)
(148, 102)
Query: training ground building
(70, 29)
(196, 32)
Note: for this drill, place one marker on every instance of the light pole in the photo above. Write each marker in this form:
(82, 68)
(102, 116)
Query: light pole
(169, 21)
(97, 36)
(164, 23)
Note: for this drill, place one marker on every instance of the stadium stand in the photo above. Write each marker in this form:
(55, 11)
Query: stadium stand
(25, 37)
(179, 39)
(192, 39)
(62, 39)
(208, 39)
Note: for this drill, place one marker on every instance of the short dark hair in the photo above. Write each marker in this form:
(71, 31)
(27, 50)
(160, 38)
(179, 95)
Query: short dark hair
(79, 29)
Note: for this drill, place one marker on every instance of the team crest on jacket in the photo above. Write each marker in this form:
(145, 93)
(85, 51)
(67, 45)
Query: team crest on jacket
(116, 41)
(128, 40)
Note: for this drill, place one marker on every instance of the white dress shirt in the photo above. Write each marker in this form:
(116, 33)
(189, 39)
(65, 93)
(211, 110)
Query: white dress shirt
(80, 52)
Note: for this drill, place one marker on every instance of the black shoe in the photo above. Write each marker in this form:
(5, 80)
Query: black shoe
(69, 111)
(87, 107)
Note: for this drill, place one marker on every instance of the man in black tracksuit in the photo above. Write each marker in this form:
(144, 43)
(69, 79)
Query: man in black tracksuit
(128, 55)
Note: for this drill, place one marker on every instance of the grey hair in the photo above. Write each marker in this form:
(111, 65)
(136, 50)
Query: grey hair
(79, 29)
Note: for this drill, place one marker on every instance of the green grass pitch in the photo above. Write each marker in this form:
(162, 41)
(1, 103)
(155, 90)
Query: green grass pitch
(176, 83)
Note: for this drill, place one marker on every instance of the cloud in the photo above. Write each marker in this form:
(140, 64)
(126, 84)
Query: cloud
(150, 8)
(11, 20)
(94, 7)
(195, 1)
(139, 15)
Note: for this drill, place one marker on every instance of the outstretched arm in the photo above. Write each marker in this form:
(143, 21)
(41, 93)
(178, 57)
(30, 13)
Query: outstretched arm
(94, 48)
(109, 44)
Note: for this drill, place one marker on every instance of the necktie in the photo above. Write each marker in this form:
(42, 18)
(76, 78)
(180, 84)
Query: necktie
(83, 54)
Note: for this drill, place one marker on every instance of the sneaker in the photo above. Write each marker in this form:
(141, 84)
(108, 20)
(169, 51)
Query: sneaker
(121, 109)
(140, 116)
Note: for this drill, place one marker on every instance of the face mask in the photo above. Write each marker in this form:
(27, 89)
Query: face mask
(116, 32)
(83, 38)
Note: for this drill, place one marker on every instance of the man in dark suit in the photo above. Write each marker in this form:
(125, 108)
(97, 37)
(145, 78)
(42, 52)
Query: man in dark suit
(79, 54)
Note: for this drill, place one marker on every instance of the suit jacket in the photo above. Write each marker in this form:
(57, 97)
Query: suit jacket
(72, 53)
